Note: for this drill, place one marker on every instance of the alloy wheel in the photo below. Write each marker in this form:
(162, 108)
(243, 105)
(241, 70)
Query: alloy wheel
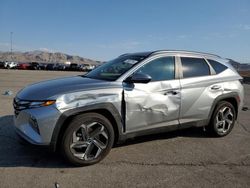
(224, 120)
(89, 141)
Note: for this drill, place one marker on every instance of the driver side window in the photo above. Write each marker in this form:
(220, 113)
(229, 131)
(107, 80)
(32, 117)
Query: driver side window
(159, 69)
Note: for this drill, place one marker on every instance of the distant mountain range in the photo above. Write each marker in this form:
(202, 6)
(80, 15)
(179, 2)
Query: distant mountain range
(240, 66)
(44, 57)
(57, 57)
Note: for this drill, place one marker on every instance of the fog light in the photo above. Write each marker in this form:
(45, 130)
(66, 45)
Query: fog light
(34, 124)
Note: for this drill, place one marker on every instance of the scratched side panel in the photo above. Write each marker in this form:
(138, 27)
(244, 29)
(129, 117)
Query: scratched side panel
(85, 98)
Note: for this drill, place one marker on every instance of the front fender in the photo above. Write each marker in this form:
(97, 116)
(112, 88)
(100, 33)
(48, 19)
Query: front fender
(60, 125)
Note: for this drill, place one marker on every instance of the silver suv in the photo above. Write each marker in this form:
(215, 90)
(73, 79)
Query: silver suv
(134, 94)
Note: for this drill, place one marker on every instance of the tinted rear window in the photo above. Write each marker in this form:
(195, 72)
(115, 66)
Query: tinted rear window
(193, 67)
(218, 67)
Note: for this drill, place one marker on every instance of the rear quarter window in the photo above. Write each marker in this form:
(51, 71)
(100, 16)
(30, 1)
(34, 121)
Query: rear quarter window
(194, 67)
(218, 67)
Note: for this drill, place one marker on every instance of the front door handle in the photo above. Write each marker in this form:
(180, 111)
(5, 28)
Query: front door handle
(171, 92)
(216, 87)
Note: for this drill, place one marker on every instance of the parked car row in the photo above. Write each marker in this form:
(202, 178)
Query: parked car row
(47, 66)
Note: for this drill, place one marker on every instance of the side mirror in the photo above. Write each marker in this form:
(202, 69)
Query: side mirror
(138, 78)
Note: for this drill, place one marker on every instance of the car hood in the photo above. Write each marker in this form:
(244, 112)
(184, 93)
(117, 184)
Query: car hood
(52, 88)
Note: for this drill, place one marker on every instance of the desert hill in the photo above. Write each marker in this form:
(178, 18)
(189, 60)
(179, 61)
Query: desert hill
(44, 57)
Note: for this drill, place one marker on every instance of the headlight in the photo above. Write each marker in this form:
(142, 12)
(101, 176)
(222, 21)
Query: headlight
(35, 104)
(20, 105)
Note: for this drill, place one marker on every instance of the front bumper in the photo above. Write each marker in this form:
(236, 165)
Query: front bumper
(37, 125)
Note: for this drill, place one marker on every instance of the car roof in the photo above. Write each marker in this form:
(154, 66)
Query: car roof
(179, 52)
(145, 54)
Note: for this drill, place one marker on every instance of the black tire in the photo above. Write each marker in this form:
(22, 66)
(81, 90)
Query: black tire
(74, 126)
(214, 125)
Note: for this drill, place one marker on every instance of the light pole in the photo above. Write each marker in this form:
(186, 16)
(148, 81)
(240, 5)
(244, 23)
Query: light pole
(11, 33)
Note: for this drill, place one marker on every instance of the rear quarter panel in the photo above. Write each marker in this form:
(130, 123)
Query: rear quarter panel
(198, 97)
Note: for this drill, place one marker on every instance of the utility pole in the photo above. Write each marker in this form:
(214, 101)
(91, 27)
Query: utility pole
(11, 49)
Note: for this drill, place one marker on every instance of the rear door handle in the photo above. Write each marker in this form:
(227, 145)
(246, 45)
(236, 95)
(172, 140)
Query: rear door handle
(216, 87)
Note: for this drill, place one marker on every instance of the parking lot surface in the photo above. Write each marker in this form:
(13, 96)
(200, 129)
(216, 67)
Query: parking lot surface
(187, 158)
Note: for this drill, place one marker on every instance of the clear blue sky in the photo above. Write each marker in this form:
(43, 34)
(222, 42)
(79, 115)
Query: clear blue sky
(107, 28)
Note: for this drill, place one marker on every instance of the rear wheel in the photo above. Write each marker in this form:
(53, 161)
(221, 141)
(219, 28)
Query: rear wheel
(223, 119)
(88, 139)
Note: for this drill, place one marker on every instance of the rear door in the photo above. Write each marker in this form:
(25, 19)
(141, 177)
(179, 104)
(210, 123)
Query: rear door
(199, 88)
(157, 103)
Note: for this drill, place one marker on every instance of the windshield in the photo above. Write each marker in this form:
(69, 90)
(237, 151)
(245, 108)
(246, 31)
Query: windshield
(113, 69)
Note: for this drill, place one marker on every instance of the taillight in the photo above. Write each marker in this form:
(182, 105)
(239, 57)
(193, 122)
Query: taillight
(241, 81)
(238, 99)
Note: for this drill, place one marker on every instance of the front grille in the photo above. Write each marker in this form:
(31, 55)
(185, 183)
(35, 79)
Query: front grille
(20, 105)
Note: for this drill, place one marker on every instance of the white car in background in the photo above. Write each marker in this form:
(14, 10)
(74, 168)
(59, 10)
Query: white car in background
(10, 65)
(87, 67)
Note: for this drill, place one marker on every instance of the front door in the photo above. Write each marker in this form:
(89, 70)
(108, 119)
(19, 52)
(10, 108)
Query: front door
(157, 103)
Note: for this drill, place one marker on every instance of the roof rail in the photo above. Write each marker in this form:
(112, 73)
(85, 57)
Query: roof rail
(185, 52)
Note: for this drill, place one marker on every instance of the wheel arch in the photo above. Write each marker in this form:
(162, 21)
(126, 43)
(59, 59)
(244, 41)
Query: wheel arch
(234, 102)
(107, 110)
(232, 98)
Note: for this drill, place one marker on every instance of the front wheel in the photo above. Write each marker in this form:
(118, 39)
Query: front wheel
(223, 119)
(88, 139)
